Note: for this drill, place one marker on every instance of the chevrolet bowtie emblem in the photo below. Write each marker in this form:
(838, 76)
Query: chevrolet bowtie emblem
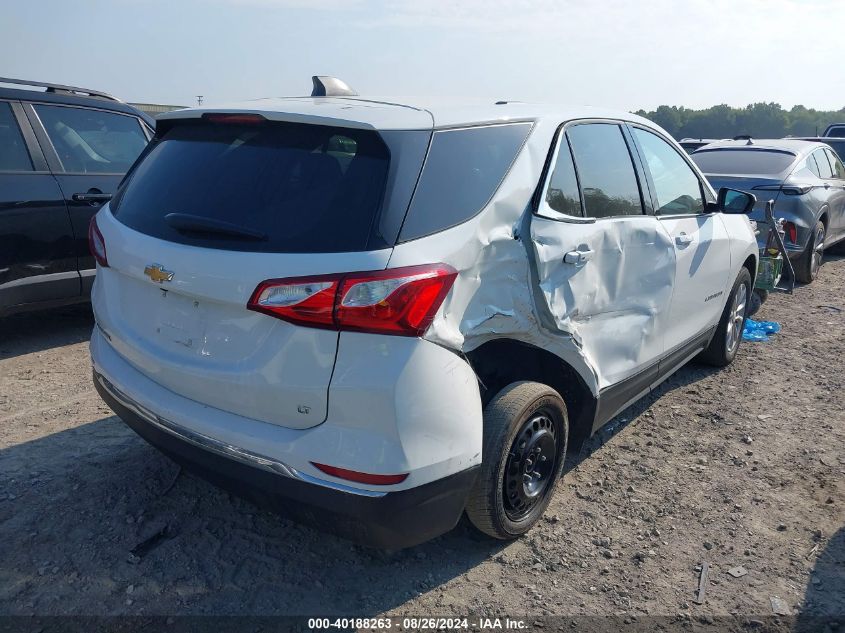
(157, 273)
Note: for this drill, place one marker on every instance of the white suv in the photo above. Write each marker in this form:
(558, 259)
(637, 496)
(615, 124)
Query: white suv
(379, 315)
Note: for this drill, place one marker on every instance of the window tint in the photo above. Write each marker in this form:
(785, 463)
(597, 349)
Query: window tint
(677, 188)
(92, 141)
(299, 188)
(838, 169)
(13, 153)
(747, 162)
(813, 166)
(824, 166)
(461, 173)
(562, 193)
(605, 170)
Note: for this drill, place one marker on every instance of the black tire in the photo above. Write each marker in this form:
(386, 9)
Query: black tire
(758, 298)
(723, 347)
(807, 266)
(518, 423)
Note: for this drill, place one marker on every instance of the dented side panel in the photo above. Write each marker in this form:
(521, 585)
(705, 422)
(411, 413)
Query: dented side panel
(616, 304)
(494, 294)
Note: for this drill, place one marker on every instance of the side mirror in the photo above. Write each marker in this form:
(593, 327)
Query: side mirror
(735, 201)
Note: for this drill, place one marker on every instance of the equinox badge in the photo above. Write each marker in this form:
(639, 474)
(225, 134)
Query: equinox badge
(157, 273)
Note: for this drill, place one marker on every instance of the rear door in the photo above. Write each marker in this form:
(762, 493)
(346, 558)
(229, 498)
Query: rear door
(90, 150)
(605, 265)
(37, 259)
(215, 208)
(701, 243)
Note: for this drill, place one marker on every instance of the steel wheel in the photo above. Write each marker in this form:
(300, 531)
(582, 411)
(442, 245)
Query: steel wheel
(530, 466)
(736, 319)
(818, 250)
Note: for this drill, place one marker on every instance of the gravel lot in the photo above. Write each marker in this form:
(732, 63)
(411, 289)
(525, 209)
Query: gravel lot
(737, 468)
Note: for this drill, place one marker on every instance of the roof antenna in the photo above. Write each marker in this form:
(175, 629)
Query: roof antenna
(325, 86)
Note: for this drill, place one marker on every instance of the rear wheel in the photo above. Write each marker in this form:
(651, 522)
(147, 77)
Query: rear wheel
(807, 266)
(525, 433)
(725, 343)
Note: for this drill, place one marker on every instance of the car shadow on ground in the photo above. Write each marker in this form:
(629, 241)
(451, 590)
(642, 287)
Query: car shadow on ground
(684, 377)
(31, 332)
(95, 521)
(824, 598)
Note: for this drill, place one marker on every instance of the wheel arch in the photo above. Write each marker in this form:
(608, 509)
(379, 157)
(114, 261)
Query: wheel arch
(499, 362)
(751, 262)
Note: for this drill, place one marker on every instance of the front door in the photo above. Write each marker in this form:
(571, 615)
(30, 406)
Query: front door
(605, 266)
(699, 239)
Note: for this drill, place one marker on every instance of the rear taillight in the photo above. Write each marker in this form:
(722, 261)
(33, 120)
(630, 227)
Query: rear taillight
(96, 243)
(787, 190)
(401, 301)
(791, 232)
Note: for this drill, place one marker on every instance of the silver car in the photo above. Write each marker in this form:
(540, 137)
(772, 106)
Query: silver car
(805, 179)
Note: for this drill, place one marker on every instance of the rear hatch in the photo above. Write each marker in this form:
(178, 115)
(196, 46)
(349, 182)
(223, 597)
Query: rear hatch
(218, 205)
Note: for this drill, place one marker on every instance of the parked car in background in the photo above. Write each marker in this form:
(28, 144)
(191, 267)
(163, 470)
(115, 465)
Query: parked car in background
(63, 151)
(805, 179)
(377, 314)
(837, 144)
(836, 130)
(692, 144)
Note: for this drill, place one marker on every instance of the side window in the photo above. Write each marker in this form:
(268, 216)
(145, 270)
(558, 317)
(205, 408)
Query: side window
(562, 193)
(462, 171)
(13, 153)
(677, 188)
(605, 170)
(824, 166)
(813, 166)
(838, 168)
(92, 141)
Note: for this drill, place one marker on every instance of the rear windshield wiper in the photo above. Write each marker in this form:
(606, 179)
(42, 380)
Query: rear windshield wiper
(199, 224)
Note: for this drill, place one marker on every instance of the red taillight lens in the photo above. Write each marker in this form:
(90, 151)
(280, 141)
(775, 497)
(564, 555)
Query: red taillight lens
(401, 301)
(234, 119)
(361, 478)
(96, 243)
(398, 301)
(300, 300)
(791, 232)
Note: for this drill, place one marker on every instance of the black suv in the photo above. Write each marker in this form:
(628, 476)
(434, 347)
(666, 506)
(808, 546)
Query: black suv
(63, 151)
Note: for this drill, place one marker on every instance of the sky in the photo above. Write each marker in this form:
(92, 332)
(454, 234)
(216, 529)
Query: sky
(614, 53)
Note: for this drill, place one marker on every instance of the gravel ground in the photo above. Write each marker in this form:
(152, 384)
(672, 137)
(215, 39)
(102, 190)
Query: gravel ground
(739, 468)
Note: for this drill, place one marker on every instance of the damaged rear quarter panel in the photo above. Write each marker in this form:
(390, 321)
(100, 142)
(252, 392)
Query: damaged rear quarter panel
(493, 295)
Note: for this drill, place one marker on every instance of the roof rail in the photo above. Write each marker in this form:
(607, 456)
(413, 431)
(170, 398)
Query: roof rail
(59, 88)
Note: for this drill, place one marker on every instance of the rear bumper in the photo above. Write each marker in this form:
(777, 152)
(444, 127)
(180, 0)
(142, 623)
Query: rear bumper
(390, 520)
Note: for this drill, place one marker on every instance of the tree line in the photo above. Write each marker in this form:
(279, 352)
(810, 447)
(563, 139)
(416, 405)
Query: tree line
(760, 120)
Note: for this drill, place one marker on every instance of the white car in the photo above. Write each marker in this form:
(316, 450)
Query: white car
(378, 314)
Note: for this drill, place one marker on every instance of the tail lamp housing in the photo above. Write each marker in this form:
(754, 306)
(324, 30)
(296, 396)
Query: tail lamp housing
(96, 243)
(398, 301)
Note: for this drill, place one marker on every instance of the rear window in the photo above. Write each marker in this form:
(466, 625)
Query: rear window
(463, 169)
(746, 162)
(270, 187)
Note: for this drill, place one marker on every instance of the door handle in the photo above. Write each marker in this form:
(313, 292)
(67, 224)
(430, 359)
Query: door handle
(683, 239)
(92, 197)
(578, 257)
